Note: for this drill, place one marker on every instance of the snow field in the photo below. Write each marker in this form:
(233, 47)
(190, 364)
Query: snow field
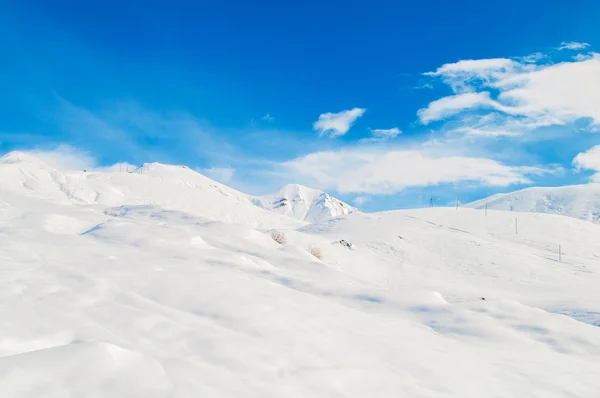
(159, 296)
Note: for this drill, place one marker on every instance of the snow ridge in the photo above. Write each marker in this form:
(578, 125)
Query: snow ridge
(578, 201)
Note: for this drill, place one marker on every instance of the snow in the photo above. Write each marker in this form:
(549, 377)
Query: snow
(171, 187)
(304, 203)
(579, 201)
(155, 284)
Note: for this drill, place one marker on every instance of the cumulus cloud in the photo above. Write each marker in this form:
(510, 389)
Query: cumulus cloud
(378, 135)
(589, 160)
(523, 95)
(221, 174)
(572, 45)
(337, 124)
(377, 171)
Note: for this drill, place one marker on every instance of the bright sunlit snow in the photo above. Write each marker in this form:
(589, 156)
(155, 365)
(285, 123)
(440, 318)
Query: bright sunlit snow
(580, 201)
(165, 284)
(305, 204)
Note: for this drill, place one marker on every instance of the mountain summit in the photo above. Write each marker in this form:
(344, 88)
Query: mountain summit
(306, 204)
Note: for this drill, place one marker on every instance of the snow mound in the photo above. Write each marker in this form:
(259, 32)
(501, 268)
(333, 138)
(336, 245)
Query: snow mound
(306, 204)
(86, 370)
(579, 201)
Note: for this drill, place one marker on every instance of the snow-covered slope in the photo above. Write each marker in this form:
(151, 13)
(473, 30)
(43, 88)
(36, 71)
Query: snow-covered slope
(132, 300)
(171, 187)
(579, 201)
(306, 204)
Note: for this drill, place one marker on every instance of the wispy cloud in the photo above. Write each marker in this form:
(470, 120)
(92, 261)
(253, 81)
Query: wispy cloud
(68, 158)
(451, 105)
(65, 158)
(126, 129)
(572, 45)
(360, 200)
(221, 174)
(584, 57)
(268, 118)
(463, 74)
(378, 135)
(121, 167)
(337, 124)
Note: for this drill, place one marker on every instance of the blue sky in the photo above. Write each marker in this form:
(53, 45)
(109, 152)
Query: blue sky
(381, 103)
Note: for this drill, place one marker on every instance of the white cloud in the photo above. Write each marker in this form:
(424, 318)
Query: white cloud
(481, 132)
(589, 160)
(451, 105)
(360, 200)
(572, 45)
(424, 86)
(377, 171)
(532, 58)
(65, 158)
(564, 92)
(121, 167)
(378, 135)
(460, 75)
(585, 57)
(527, 96)
(221, 174)
(268, 118)
(479, 66)
(337, 124)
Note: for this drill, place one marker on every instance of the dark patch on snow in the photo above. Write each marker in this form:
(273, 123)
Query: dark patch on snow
(589, 317)
(370, 299)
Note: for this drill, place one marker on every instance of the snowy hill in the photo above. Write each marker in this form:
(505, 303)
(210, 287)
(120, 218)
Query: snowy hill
(157, 285)
(579, 201)
(306, 204)
(171, 187)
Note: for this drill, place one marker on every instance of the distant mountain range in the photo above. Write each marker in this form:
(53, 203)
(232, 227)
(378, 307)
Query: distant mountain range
(171, 187)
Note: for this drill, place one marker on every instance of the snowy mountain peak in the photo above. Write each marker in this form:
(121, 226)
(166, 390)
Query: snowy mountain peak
(304, 203)
(579, 201)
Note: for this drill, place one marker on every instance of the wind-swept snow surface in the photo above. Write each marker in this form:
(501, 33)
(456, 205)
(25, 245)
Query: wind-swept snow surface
(105, 298)
(579, 201)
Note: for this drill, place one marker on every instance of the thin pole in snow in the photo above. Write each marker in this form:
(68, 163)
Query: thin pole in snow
(456, 204)
(559, 253)
(431, 202)
(486, 209)
(516, 226)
